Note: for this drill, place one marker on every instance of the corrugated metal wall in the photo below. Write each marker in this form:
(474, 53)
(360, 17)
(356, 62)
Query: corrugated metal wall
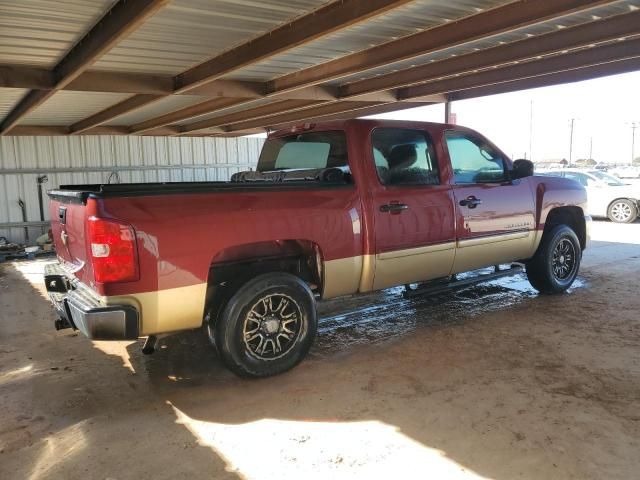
(93, 159)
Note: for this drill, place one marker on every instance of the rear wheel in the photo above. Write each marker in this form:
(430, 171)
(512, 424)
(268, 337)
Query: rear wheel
(267, 326)
(557, 261)
(622, 211)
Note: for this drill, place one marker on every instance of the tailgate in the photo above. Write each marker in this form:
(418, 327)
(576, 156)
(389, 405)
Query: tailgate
(68, 220)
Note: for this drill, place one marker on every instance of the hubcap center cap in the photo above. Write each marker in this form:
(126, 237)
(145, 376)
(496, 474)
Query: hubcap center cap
(271, 325)
(561, 258)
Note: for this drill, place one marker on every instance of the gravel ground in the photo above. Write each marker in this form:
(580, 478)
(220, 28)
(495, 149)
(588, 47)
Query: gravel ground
(490, 382)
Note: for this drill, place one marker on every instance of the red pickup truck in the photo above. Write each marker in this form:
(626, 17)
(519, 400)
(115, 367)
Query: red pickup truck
(333, 209)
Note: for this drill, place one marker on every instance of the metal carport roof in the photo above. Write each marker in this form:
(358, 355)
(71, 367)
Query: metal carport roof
(232, 67)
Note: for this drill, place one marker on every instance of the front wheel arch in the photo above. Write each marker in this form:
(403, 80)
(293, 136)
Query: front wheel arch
(573, 217)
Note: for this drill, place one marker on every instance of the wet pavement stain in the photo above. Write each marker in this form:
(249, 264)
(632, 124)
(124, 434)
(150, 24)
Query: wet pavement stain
(347, 322)
(385, 315)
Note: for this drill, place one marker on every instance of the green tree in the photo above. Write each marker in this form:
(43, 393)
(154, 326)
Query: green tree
(636, 161)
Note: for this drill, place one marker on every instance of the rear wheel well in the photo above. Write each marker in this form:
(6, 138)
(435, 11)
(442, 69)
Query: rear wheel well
(234, 267)
(573, 217)
(618, 199)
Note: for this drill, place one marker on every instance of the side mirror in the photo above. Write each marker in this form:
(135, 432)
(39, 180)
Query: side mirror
(521, 169)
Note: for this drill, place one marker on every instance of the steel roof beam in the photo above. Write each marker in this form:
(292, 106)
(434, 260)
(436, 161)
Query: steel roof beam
(570, 76)
(184, 113)
(310, 95)
(279, 107)
(362, 112)
(497, 20)
(112, 112)
(343, 107)
(568, 38)
(117, 23)
(327, 19)
(508, 17)
(22, 76)
(30, 130)
(552, 64)
(323, 21)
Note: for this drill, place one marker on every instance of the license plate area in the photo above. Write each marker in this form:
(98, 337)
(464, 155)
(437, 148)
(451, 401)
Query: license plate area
(57, 283)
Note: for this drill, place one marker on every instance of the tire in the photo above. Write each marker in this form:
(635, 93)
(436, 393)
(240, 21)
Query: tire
(557, 261)
(258, 335)
(622, 211)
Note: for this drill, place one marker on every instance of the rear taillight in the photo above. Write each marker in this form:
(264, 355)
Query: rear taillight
(112, 246)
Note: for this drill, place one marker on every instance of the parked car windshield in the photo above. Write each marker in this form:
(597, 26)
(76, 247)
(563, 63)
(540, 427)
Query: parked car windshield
(305, 151)
(609, 179)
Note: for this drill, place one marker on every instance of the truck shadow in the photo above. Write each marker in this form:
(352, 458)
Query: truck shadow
(71, 411)
(389, 380)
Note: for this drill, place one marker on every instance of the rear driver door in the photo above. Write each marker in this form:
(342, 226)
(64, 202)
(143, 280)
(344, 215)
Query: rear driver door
(413, 209)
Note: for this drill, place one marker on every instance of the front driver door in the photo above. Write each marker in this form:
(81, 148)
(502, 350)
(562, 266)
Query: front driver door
(494, 216)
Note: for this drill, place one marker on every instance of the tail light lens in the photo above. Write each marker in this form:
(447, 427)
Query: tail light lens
(113, 251)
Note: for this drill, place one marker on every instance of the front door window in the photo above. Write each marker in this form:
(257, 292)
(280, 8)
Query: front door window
(473, 160)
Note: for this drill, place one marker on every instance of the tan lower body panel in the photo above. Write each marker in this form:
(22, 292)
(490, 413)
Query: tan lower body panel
(486, 251)
(343, 276)
(413, 265)
(365, 273)
(375, 272)
(166, 310)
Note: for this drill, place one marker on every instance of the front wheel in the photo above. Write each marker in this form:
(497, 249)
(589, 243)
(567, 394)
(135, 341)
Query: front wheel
(557, 261)
(622, 211)
(268, 326)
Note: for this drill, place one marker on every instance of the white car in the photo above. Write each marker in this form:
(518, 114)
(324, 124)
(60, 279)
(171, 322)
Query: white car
(626, 172)
(607, 196)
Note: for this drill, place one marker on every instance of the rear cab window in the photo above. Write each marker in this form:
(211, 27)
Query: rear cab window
(305, 151)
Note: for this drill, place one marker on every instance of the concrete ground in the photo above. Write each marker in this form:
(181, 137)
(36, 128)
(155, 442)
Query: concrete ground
(491, 382)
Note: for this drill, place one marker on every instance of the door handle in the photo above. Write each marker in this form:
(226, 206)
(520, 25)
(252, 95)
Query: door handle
(471, 202)
(393, 207)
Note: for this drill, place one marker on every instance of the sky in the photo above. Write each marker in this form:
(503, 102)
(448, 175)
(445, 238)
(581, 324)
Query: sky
(603, 111)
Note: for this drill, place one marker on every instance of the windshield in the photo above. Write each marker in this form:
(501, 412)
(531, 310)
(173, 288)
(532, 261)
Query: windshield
(609, 179)
(305, 151)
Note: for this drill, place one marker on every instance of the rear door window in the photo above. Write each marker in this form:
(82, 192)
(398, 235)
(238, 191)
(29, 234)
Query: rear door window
(404, 157)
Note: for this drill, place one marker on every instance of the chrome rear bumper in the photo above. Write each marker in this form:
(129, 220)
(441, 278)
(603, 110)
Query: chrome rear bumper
(79, 308)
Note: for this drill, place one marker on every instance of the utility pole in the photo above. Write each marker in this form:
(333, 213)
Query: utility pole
(591, 148)
(530, 130)
(634, 125)
(571, 142)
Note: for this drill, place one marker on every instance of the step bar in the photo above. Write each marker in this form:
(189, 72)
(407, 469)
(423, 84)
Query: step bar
(433, 288)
